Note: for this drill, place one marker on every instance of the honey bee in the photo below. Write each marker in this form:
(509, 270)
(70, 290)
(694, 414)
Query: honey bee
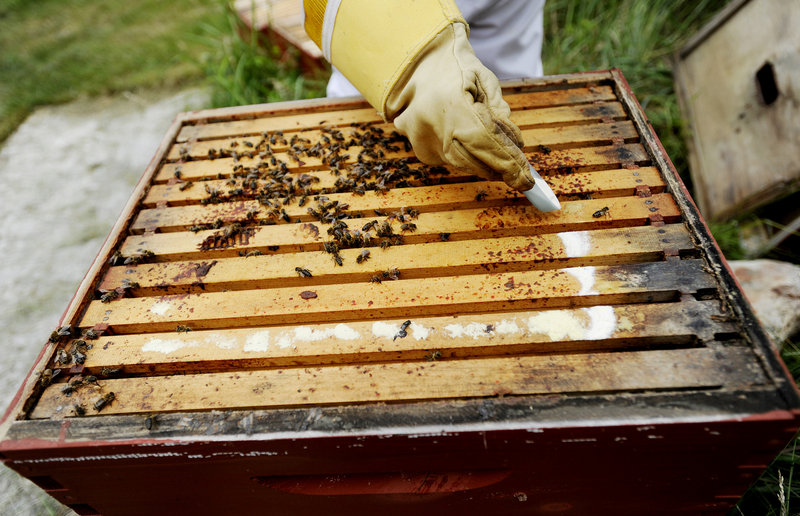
(599, 213)
(106, 296)
(108, 371)
(408, 226)
(127, 284)
(385, 229)
(63, 331)
(78, 356)
(402, 333)
(390, 274)
(481, 195)
(363, 256)
(433, 356)
(62, 357)
(116, 258)
(303, 273)
(48, 375)
(80, 410)
(106, 399)
(182, 329)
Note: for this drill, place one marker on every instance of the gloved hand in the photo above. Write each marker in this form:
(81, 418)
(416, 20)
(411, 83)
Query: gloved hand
(451, 108)
(413, 62)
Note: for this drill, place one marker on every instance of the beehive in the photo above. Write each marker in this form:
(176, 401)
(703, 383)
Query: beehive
(482, 356)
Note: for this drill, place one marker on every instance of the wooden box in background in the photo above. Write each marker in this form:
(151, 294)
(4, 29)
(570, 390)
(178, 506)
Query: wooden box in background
(738, 81)
(481, 357)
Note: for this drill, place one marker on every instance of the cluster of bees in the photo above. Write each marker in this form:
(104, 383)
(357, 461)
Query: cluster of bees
(275, 187)
(108, 295)
(76, 356)
(271, 182)
(143, 256)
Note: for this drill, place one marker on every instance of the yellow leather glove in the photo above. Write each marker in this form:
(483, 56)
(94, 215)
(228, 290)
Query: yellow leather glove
(413, 62)
(452, 110)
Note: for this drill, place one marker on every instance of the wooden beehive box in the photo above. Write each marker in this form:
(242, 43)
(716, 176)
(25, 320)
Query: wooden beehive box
(741, 97)
(485, 357)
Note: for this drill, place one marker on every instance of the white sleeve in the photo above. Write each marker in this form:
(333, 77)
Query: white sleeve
(506, 35)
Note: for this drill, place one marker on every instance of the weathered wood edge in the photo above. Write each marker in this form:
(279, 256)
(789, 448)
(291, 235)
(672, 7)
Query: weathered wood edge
(289, 107)
(685, 105)
(82, 297)
(487, 414)
(551, 82)
(731, 291)
(326, 104)
(759, 199)
(710, 27)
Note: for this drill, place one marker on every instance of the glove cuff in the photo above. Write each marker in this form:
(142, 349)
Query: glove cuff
(373, 42)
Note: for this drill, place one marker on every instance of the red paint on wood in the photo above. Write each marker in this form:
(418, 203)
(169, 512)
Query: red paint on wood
(384, 483)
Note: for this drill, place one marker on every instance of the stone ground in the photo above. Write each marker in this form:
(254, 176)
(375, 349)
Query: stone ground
(68, 171)
(66, 174)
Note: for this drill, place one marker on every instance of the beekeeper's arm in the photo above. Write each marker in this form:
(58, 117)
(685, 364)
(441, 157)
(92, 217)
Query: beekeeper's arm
(412, 61)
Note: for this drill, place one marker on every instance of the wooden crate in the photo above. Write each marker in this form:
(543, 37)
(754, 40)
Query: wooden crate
(600, 359)
(739, 95)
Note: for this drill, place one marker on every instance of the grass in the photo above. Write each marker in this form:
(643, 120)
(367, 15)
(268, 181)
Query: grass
(54, 51)
(728, 237)
(243, 68)
(778, 489)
